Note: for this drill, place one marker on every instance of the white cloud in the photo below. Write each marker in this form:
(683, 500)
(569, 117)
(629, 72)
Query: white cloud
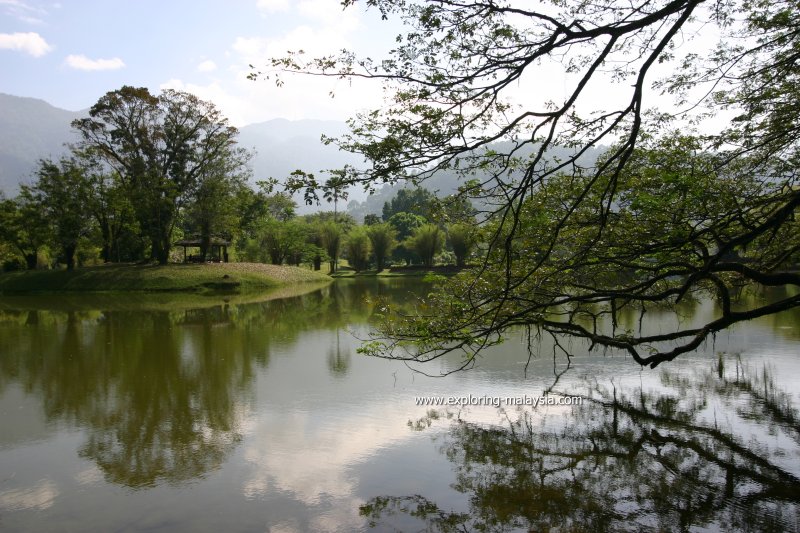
(322, 29)
(81, 62)
(23, 11)
(302, 96)
(233, 107)
(31, 43)
(324, 10)
(313, 41)
(272, 6)
(207, 66)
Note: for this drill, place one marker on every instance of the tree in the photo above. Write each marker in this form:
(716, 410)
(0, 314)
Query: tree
(255, 205)
(418, 201)
(23, 226)
(557, 255)
(462, 238)
(343, 220)
(427, 241)
(161, 147)
(61, 192)
(357, 245)
(335, 189)
(371, 219)
(448, 82)
(383, 238)
(330, 236)
(278, 241)
(212, 210)
(455, 209)
(253, 209)
(113, 213)
(314, 252)
(404, 225)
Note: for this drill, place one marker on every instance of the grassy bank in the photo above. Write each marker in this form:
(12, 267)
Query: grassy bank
(237, 277)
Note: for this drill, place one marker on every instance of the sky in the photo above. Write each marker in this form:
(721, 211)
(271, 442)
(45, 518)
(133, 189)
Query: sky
(69, 53)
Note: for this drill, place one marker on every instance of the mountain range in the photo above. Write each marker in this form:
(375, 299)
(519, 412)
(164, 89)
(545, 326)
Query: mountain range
(32, 129)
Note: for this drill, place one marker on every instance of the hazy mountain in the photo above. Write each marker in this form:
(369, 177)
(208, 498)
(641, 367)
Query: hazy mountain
(30, 130)
(282, 146)
(447, 182)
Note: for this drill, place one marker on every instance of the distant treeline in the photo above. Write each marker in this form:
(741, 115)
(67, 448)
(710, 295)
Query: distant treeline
(150, 170)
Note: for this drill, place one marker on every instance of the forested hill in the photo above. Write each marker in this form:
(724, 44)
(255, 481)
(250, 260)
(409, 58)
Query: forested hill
(30, 130)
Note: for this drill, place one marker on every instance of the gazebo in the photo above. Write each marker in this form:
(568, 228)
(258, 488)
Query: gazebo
(217, 250)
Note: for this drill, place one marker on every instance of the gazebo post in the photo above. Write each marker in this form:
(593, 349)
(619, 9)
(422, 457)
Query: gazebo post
(217, 251)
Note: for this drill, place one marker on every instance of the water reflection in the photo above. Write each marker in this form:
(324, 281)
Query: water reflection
(251, 414)
(150, 413)
(161, 395)
(718, 449)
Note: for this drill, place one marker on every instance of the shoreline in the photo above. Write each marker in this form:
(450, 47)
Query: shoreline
(180, 278)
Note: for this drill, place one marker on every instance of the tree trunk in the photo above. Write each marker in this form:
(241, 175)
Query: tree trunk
(105, 232)
(160, 250)
(108, 234)
(163, 258)
(154, 246)
(69, 256)
(30, 261)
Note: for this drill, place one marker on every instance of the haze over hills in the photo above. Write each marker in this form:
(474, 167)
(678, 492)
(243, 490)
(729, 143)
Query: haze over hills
(282, 146)
(32, 129)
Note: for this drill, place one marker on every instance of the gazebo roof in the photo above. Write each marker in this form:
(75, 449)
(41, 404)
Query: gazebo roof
(214, 241)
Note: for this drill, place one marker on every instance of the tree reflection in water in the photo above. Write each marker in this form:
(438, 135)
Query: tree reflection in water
(160, 396)
(659, 461)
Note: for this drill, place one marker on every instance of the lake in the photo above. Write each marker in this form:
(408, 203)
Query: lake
(167, 413)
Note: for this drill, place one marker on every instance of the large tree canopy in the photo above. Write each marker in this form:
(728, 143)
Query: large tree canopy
(659, 218)
(162, 147)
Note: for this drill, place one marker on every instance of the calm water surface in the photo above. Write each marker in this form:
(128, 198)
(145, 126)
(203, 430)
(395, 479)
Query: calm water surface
(130, 414)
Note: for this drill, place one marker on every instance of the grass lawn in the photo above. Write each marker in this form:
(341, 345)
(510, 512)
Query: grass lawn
(179, 277)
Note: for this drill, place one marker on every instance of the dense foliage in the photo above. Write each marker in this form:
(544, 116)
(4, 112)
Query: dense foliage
(151, 170)
(658, 218)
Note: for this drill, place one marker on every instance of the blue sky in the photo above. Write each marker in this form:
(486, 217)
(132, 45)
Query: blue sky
(71, 52)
